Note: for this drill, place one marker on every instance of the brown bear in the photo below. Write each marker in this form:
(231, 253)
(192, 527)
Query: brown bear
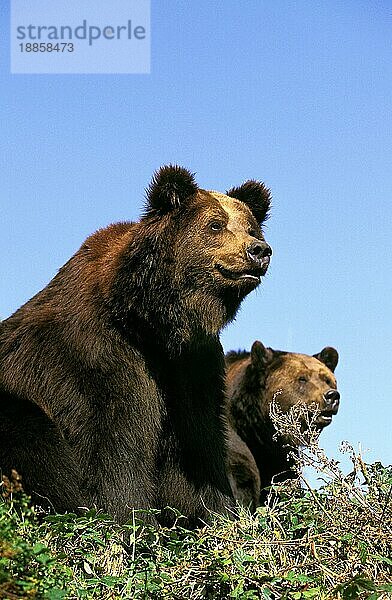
(112, 377)
(256, 455)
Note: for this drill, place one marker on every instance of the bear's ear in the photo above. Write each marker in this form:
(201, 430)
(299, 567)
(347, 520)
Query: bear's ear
(329, 356)
(169, 187)
(256, 196)
(260, 355)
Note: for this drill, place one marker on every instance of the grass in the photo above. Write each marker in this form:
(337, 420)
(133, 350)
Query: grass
(326, 543)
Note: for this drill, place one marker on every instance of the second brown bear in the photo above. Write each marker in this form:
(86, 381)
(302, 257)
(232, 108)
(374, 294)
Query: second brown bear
(256, 456)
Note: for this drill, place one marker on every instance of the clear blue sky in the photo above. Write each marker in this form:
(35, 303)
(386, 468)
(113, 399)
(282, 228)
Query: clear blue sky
(298, 94)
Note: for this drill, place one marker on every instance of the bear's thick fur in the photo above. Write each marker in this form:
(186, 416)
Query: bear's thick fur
(253, 380)
(243, 472)
(112, 377)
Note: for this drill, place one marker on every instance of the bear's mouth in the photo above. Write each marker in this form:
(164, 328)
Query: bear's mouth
(324, 419)
(250, 275)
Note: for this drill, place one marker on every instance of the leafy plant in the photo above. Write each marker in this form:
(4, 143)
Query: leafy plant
(328, 543)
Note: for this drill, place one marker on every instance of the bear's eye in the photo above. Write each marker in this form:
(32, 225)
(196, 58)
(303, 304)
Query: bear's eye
(302, 379)
(216, 226)
(328, 381)
(253, 233)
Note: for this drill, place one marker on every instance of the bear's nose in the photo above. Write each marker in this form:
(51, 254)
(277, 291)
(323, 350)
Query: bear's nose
(332, 400)
(259, 251)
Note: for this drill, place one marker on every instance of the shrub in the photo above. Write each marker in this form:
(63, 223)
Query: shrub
(326, 543)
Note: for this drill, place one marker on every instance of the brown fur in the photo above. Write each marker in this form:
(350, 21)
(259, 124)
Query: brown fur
(244, 476)
(112, 377)
(253, 380)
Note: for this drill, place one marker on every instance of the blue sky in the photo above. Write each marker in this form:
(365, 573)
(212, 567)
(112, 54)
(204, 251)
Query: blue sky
(297, 94)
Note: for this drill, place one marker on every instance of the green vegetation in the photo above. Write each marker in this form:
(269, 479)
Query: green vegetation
(334, 542)
(326, 543)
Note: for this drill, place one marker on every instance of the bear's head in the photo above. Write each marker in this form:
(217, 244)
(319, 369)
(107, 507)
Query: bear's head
(219, 236)
(266, 375)
(201, 251)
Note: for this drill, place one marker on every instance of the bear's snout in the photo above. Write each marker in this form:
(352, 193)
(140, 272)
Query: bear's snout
(332, 401)
(260, 253)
